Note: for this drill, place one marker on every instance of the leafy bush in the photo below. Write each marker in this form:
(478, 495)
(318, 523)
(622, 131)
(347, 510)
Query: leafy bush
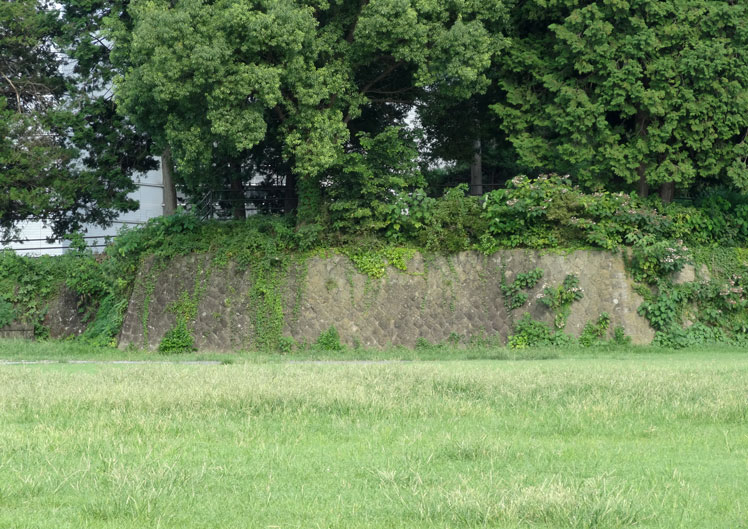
(7, 313)
(664, 311)
(529, 332)
(449, 224)
(697, 334)
(549, 212)
(28, 283)
(560, 298)
(286, 344)
(177, 340)
(619, 336)
(655, 260)
(329, 340)
(594, 333)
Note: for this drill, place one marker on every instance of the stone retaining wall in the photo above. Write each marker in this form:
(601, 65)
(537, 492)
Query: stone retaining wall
(17, 331)
(435, 299)
(64, 317)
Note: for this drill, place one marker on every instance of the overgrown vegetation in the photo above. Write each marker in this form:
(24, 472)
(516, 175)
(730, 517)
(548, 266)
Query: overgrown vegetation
(657, 241)
(629, 98)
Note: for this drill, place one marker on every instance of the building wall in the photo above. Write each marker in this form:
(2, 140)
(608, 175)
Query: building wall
(149, 195)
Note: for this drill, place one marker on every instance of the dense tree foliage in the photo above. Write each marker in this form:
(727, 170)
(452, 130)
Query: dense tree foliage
(216, 79)
(353, 105)
(647, 92)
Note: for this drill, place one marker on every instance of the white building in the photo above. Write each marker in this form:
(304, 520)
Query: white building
(150, 195)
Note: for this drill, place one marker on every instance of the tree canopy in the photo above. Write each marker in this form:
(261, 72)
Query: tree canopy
(217, 79)
(639, 92)
(352, 103)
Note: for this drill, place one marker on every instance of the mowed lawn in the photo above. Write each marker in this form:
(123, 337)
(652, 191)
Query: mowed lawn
(606, 440)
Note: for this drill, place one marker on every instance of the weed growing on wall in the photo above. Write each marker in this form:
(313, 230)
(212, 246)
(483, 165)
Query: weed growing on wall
(26, 284)
(653, 261)
(529, 332)
(710, 309)
(514, 298)
(329, 340)
(594, 333)
(267, 278)
(177, 340)
(373, 261)
(180, 337)
(560, 298)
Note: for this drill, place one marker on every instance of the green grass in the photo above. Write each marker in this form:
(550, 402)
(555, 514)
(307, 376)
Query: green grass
(602, 439)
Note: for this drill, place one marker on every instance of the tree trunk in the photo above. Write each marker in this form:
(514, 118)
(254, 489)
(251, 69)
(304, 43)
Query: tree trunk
(170, 190)
(238, 197)
(290, 198)
(476, 170)
(642, 186)
(641, 127)
(667, 192)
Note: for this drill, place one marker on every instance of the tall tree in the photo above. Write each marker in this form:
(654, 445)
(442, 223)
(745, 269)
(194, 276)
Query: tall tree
(210, 77)
(632, 94)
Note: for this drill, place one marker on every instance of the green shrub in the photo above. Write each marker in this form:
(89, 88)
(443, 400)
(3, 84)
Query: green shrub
(653, 261)
(7, 313)
(529, 333)
(286, 345)
(329, 340)
(619, 336)
(549, 211)
(177, 340)
(423, 343)
(697, 334)
(594, 333)
(105, 327)
(449, 224)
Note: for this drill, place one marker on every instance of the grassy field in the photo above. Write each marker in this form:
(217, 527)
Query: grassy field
(601, 439)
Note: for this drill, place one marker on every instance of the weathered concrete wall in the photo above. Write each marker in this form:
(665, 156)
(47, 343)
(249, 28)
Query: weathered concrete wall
(435, 298)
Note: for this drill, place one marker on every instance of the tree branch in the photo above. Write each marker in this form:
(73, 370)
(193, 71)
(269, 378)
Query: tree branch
(349, 37)
(387, 71)
(15, 90)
